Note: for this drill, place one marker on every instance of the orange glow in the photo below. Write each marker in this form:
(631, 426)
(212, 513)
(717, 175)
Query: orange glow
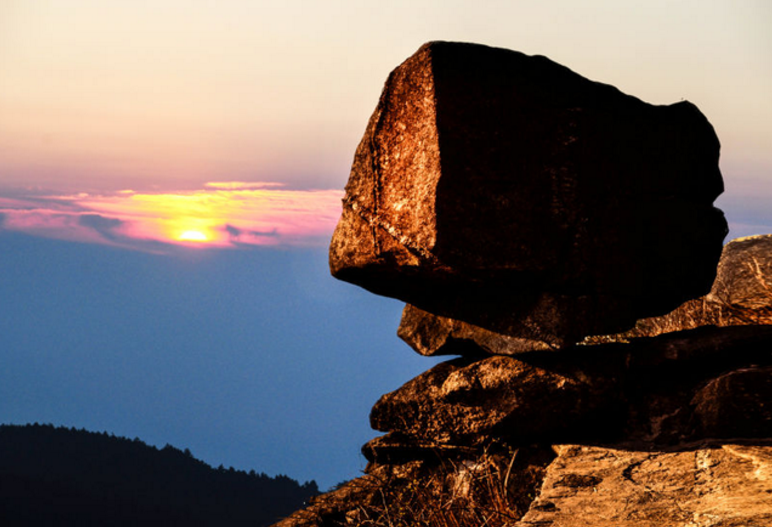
(222, 214)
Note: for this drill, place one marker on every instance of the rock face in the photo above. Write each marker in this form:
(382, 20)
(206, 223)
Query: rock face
(736, 404)
(508, 192)
(518, 207)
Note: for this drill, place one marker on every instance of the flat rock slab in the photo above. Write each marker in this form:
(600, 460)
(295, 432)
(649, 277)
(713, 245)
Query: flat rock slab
(702, 486)
(509, 192)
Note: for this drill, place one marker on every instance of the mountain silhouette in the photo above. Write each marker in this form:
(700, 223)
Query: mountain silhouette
(59, 476)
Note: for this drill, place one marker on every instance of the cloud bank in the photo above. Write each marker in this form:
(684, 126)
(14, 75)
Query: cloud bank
(226, 214)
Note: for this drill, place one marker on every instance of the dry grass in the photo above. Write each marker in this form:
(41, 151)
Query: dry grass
(491, 491)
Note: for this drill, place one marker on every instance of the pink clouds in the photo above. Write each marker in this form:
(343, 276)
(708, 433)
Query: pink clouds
(222, 214)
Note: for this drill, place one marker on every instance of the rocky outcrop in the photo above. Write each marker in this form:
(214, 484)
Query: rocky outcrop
(509, 192)
(672, 430)
(526, 213)
(703, 484)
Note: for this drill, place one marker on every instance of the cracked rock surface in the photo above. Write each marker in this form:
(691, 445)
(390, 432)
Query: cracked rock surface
(701, 485)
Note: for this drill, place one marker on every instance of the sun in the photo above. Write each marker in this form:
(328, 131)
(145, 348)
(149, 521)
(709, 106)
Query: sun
(193, 236)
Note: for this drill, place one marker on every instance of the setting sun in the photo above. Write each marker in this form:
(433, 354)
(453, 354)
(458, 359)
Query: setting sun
(193, 236)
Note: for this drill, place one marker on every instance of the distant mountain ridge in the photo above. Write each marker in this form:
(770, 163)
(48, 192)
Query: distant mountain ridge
(59, 476)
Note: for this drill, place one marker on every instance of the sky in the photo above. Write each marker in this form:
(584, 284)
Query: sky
(171, 172)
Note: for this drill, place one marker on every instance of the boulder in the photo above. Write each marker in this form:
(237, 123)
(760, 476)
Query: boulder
(509, 192)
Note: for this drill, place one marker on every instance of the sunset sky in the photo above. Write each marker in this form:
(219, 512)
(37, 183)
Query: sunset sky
(184, 161)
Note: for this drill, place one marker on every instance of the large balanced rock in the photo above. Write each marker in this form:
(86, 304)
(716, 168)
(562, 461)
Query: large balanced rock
(509, 192)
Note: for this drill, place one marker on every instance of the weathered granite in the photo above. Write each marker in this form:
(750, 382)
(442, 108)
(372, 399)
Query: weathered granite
(702, 485)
